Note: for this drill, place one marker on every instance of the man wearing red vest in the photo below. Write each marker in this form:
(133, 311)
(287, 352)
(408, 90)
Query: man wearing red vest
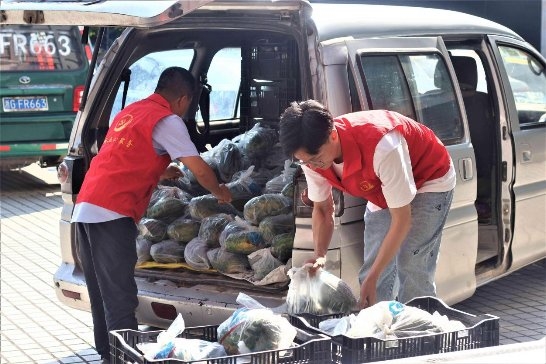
(136, 154)
(403, 171)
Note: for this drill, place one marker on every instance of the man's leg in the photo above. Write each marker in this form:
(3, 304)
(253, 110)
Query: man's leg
(376, 225)
(114, 257)
(418, 254)
(95, 297)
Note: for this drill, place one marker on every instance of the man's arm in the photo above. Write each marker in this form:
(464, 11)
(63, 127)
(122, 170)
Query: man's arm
(323, 225)
(400, 226)
(206, 177)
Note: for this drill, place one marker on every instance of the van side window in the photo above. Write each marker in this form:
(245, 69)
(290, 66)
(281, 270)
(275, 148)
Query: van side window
(145, 73)
(415, 85)
(355, 101)
(527, 77)
(224, 75)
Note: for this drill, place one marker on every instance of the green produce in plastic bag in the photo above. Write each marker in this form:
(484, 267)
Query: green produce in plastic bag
(281, 246)
(241, 237)
(168, 251)
(143, 246)
(272, 226)
(152, 229)
(258, 141)
(195, 254)
(318, 294)
(288, 190)
(244, 242)
(243, 186)
(167, 209)
(269, 204)
(211, 228)
(207, 205)
(253, 329)
(278, 183)
(226, 157)
(162, 191)
(183, 229)
(226, 262)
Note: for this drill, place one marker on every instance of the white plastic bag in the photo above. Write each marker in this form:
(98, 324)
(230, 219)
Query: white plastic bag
(254, 328)
(196, 349)
(374, 321)
(318, 294)
(392, 320)
(263, 263)
(164, 345)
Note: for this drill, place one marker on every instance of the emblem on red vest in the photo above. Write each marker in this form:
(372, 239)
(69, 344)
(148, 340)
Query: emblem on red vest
(123, 122)
(365, 186)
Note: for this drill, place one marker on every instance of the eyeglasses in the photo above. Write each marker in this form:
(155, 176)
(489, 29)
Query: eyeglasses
(315, 161)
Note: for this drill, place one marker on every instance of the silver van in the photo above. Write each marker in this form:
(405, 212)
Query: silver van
(477, 84)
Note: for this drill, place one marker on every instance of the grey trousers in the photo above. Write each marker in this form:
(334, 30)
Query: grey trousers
(411, 273)
(108, 254)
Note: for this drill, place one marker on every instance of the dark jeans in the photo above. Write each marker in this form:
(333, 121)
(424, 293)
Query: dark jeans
(108, 254)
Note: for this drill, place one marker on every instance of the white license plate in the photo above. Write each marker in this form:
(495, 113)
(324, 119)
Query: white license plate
(24, 103)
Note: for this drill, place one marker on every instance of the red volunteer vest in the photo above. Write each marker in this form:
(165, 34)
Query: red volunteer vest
(124, 173)
(359, 134)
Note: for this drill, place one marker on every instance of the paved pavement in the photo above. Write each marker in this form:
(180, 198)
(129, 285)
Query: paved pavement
(36, 328)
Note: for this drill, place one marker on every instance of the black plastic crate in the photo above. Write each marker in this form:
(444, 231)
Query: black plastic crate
(481, 331)
(268, 99)
(272, 61)
(308, 348)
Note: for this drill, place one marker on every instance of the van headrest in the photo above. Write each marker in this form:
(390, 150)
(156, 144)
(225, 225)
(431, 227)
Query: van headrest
(466, 70)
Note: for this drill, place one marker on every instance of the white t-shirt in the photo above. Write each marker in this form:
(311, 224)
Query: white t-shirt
(392, 164)
(170, 136)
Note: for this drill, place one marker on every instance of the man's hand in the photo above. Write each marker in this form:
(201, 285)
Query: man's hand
(223, 195)
(173, 172)
(316, 263)
(368, 292)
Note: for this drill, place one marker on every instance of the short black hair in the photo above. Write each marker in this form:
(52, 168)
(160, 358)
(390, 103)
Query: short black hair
(305, 124)
(175, 82)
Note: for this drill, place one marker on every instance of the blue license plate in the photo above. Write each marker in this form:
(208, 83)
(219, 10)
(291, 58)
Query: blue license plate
(24, 103)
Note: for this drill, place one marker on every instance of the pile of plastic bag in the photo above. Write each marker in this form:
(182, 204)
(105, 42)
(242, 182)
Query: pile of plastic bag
(390, 320)
(250, 238)
(251, 328)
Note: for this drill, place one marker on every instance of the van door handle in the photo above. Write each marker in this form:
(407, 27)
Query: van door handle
(526, 156)
(465, 169)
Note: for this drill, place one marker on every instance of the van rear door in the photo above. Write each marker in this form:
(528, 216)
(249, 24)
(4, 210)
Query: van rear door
(414, 77)
(117, 13)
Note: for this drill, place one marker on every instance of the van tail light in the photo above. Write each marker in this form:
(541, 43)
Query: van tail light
(164, 311)
(77, 99)
(71, 294)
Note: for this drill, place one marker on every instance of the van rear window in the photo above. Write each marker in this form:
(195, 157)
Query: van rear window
(35, 48)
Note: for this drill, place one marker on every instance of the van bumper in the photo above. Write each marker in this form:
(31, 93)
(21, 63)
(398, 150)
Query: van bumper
(198, 304)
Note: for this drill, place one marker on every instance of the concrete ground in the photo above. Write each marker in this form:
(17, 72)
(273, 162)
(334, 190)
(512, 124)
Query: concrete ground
(36, 328)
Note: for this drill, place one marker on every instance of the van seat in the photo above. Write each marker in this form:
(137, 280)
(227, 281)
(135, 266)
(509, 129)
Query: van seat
(482, 129)
(478, 111)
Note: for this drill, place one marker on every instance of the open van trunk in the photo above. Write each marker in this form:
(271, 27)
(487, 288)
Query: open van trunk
(249, 70)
